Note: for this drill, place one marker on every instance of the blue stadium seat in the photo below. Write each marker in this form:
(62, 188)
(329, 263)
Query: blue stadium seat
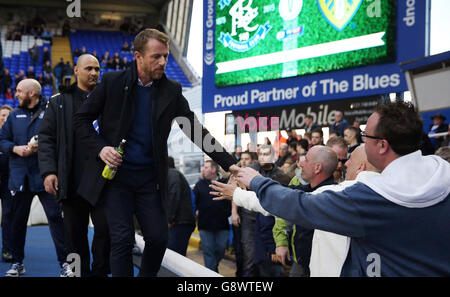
(19, 62)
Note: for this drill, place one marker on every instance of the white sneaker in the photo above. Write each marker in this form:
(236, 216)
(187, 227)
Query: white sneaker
(66, 271)
(15, 270)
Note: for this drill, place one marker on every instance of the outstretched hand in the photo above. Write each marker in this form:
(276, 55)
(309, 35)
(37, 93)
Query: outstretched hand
(223, 191)
(245, 176)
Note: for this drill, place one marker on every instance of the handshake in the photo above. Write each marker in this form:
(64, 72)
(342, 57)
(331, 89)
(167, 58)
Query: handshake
(242, 177)
(239, 177)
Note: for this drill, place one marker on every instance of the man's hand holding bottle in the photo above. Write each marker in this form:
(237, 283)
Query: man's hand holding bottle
(111, 157)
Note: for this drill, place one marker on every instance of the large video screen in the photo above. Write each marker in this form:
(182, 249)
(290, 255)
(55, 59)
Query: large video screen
(258, 40)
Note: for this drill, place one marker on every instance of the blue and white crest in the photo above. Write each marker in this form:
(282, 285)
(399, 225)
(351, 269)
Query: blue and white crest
(339, 13)
(245, 32)
(227, 40)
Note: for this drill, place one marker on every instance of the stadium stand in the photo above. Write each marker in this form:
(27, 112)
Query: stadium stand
(16, 57)
(112, 42)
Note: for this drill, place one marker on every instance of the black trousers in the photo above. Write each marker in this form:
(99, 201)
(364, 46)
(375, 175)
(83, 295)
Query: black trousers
(76, 213)
(135, 192)
(20, 209)
(249, 268)
(237, 245)
(179, 236)
(7, 201)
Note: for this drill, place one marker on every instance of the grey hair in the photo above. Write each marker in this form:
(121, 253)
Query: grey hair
(327, 157)
(268, 146)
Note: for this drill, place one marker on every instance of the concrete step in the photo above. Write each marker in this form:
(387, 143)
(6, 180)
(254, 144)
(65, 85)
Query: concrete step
(194, 241)
(61, 49)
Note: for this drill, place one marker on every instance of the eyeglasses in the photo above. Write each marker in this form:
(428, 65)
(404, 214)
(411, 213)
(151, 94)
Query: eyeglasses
(363, 134)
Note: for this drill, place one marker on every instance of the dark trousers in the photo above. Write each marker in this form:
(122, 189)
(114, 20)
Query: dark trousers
(237, 245)
(76, 212)
(297, 270)
(179, 236)
(248, 245)
(270, 269)
(5, 195)
(134, 192)
(21, 210)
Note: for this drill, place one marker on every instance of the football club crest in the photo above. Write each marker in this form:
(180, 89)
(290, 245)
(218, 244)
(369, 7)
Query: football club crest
(245, 32)
(339, 13)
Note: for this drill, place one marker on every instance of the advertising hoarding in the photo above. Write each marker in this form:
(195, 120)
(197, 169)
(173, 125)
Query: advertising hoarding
(373, 76)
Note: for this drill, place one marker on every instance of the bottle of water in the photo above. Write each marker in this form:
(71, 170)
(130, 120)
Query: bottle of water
(109, 172)
(34, 140)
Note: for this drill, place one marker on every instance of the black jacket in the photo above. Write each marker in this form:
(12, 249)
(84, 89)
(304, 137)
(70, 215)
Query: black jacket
(270, 174)
(55, 150)
(112, 104)
(212, 215)
(313, 127)
(179, 203)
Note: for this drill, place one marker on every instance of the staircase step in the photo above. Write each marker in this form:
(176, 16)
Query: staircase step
(61, 49)
(194, 241)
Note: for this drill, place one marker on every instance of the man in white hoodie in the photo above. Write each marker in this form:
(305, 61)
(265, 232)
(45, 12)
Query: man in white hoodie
(398, 221)
(329, 250)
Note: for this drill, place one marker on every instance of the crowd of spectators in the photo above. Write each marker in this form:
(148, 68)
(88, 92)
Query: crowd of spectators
(288, 245)
(10, 82)
(114, 62)
(34, 28)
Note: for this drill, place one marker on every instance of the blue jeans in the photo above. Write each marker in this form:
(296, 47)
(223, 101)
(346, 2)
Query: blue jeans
(132, 192)
(57, 83)
(214, 244)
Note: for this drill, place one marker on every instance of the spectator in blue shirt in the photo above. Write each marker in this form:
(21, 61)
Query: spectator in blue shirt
(340, 124)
